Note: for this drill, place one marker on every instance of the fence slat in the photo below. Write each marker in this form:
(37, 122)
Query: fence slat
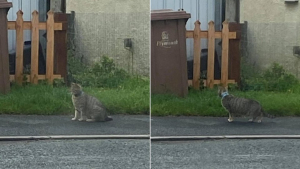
(19, 48)
(34, 48)
(197, 54)
(211, 55)
(225, 44)
(42, 25)
(40, 77)
(50, 47)
(216, 82)
(204, 34)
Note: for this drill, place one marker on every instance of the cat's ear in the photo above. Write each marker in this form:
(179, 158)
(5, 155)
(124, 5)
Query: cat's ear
(72, 83)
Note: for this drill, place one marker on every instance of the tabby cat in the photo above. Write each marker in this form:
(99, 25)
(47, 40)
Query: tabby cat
(237, 106)
(87, 108)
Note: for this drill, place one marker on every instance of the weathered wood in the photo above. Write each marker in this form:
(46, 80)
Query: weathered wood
(42, 25)
(40, 77)
(216, 82)
(50, 47)
(19, 48)
(4, 62)
(34, 48)
(60, 47)
(197, 55)
(225, 43)
(211, 54)
(234, 53)
(204, 34)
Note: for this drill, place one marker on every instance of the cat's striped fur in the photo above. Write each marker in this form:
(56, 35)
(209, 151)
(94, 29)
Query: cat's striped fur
(87, 108)
(237, 106)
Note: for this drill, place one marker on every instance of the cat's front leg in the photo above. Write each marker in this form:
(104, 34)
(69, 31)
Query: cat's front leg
(230, 119)
(76, 115)
(83, 117)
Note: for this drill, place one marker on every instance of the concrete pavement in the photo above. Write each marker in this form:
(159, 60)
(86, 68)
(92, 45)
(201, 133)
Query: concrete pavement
(214, 126)
(34, 125)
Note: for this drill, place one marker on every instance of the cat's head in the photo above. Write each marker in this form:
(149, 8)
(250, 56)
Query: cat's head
(76, 88)
(222, 89)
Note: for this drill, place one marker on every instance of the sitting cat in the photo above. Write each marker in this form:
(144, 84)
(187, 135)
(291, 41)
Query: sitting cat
(87, 108)
(241, 106)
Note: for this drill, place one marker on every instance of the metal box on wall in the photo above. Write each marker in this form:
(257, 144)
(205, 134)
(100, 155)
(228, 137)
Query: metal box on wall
(168, 52)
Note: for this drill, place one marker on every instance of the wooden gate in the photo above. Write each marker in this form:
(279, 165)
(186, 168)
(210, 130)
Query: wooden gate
(211, 35)
(50, 26)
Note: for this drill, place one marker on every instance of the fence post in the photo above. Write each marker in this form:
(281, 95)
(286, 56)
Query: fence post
(34, 48)
(234, 53)
(50, 47)
(211, 55)
(225, 41)
(197, 55)
(4, 63)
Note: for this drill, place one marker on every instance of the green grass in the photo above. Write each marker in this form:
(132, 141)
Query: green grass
(207, 103)
(132, 97)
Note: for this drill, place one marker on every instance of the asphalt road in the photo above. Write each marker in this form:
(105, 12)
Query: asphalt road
(226, 154)
(75, 154)
(22, 125)
(204, 126)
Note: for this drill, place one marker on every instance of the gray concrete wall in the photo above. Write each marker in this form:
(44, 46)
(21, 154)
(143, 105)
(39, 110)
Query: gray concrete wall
(231, 12)
(56, 5)
(102, 25)
(273, 30)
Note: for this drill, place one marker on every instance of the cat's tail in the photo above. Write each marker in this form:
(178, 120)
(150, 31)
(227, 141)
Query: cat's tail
(268, 115)
(108, 118)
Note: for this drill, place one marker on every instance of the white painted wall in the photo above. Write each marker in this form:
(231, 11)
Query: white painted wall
(27, 6)
(202, 10)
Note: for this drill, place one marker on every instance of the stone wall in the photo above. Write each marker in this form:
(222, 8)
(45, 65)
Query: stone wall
(101, 26)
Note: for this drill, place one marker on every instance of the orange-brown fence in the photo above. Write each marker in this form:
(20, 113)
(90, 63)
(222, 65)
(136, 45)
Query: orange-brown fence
(34, 25)
(211, 35)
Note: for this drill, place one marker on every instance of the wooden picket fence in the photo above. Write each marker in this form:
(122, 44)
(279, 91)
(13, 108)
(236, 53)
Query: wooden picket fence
(211, 35)
(34, 25)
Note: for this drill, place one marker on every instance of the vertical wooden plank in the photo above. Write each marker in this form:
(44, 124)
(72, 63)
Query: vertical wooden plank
(19, 48)
(197, 55)
(211, 55)
(234, 53)
(34, 47)
(225, 43)
(60, 47)
(50, 47)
